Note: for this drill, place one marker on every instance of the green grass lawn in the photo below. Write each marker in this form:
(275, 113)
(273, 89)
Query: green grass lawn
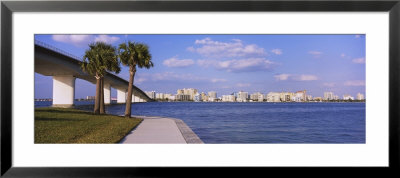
(61, 125)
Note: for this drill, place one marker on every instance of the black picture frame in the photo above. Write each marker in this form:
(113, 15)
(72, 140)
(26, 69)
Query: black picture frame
(8, 7)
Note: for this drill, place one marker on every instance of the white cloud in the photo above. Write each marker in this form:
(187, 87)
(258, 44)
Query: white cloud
(360, 60)
(77, 40)
(84, 40)
(172, 76)
(355, 83)
(175, 62)
(277, 51)
(140, 79)
(282, 76)
(234, 48)
(106, 38)
(295, 77)
(238, 65)
(304, 77)
(169, 76)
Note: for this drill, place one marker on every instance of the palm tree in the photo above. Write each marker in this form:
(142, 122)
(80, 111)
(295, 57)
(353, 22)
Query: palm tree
(133, 55)
(99, 58)
(113, 65)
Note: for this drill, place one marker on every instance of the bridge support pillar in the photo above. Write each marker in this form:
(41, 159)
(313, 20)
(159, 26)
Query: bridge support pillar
(121, 96)
(63, 91)
(133, 99)
(107, 93)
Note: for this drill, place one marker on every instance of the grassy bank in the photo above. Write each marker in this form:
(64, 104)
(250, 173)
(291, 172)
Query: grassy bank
(61, 125)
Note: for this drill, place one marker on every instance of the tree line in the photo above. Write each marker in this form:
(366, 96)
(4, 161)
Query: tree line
(102, 57)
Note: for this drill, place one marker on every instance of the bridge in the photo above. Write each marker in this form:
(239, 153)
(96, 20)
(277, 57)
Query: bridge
(65, 68)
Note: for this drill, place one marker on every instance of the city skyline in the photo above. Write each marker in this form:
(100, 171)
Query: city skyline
(192, 94)
(228, 63)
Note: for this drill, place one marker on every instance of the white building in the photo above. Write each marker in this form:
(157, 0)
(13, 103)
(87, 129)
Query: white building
(347, 97)
(254, 96)
(242, 96)
(160, 96)
(212, 99)
(287, 96)
(309, 97)
(360, 96)
(228, 98)
(260, 98)
(197, 97)
(335, 97)
(167, 95)
(300, 96)
(171, 97)
(273, 97)
(212, 94)
(328, 96)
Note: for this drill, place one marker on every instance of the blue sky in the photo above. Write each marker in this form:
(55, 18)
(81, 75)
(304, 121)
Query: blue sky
(231, 63)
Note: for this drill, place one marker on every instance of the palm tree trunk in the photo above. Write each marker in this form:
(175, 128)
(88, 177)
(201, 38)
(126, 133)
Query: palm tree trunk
(132, 71)
(97, 97)
(102, 107)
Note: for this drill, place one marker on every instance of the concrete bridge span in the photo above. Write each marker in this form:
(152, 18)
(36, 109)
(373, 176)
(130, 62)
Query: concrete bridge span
(65, 68)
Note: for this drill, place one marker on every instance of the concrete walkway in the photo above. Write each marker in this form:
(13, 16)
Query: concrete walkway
(161, 130)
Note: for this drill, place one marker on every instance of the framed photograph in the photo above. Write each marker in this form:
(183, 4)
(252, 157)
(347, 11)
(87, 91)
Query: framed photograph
(137, 88)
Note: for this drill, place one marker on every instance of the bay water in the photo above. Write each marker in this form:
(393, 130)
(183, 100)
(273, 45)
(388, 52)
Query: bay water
(256, 122)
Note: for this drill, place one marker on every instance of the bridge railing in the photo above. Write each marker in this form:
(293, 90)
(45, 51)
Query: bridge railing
(50, 47)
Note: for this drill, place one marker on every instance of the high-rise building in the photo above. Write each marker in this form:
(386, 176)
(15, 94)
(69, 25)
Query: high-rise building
(242, 96)
(257, 96)
(212, 94)
(273, 97)
(300, 96)
(328, 96)
(159, 96)
(187, 91)
(260, 98)
(286, 96)
(228, 98)
(254, 96)
(182, 97)
(179, 91)
(360, 96)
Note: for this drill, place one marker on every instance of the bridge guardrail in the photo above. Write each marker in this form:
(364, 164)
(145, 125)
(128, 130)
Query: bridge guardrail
(50, 47)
